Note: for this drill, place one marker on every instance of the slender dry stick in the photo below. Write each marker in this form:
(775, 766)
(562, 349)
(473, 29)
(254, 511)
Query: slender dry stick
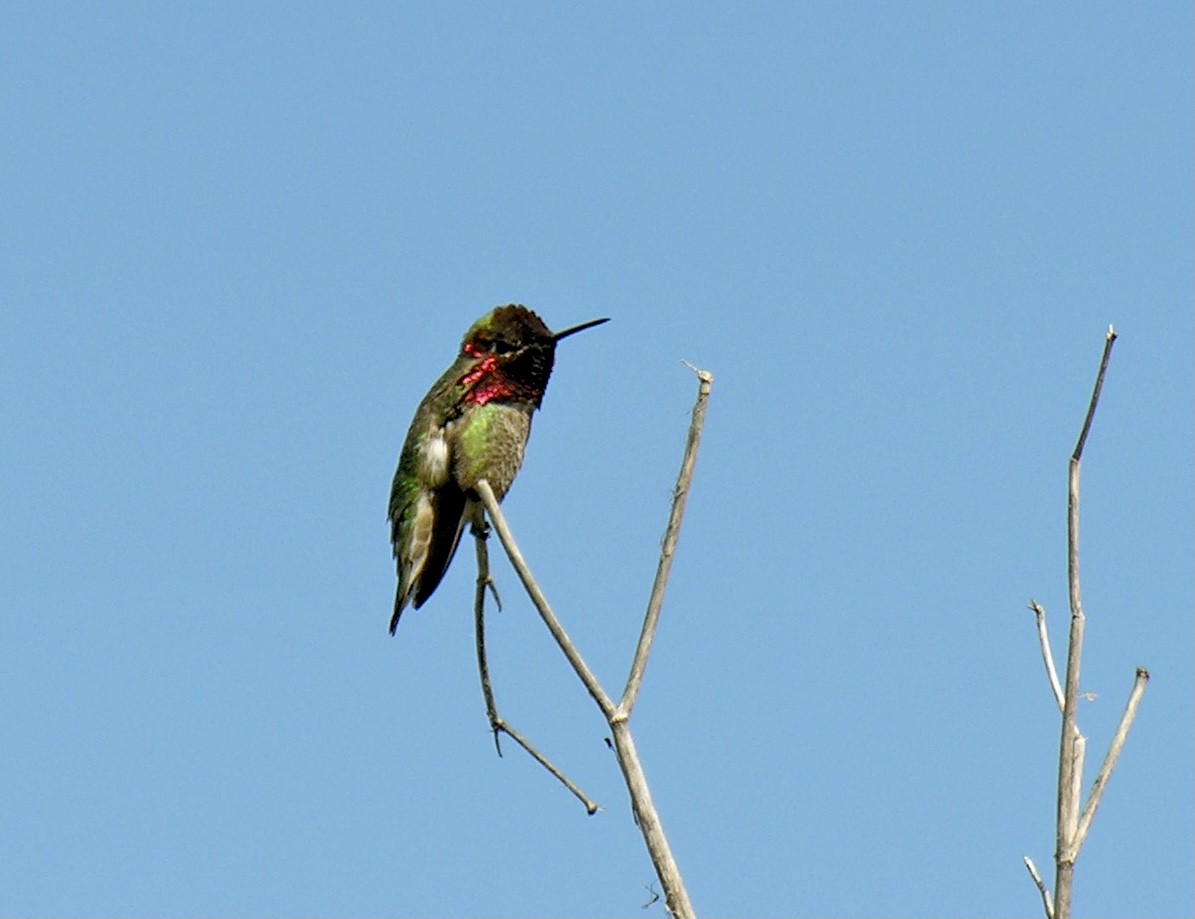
(484, 581)
(483, 668)
(1070, 756)
(1046, 903)
(647, 818)
(1105, 773)
(1043, 639)
(680, 495)
(541, 603)
(497, 723)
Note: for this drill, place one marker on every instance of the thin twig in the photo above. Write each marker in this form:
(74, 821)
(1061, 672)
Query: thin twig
(1105, 773)
(497, 724)
(680, 495)
(590, 807)
(1041, 888)
(1109, 340)
(1047, 655)
(483, 667)
(541, 603)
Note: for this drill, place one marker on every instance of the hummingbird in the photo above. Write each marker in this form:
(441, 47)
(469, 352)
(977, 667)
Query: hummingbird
(472, 424)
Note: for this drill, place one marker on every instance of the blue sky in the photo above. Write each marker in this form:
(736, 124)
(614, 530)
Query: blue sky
(240, 242)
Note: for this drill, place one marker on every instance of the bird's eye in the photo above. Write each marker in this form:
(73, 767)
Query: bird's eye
(502, 347)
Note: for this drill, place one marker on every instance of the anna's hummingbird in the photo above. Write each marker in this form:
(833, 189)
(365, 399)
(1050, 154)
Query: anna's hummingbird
(472, 424)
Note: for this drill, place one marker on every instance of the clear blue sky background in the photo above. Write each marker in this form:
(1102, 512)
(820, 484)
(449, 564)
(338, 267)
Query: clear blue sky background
(240, 241)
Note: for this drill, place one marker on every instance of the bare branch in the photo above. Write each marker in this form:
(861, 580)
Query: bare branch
(483, 668)
(1105, 773)
(1047, 655)
(668, 545)
(497, 724)
(541, 602)
(1071, 743)
(676, 898)
(1041, 888)
(646, 816)
(1070, 753)
(1109, 340)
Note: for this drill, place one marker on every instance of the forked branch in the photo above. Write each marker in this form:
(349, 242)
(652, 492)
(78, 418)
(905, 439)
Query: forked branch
(618, 717)
(498, 724)
(1072, 826)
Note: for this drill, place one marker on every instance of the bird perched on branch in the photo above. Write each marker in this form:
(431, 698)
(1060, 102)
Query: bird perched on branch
(472, 424)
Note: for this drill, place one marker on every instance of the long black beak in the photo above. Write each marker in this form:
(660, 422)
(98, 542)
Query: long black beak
(579, 328)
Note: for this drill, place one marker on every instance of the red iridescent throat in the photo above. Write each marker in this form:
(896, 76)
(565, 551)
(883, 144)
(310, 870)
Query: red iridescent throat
(485, 383)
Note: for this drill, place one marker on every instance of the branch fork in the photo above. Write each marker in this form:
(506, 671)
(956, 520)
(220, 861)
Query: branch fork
(1073, 824)
(617, 715)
